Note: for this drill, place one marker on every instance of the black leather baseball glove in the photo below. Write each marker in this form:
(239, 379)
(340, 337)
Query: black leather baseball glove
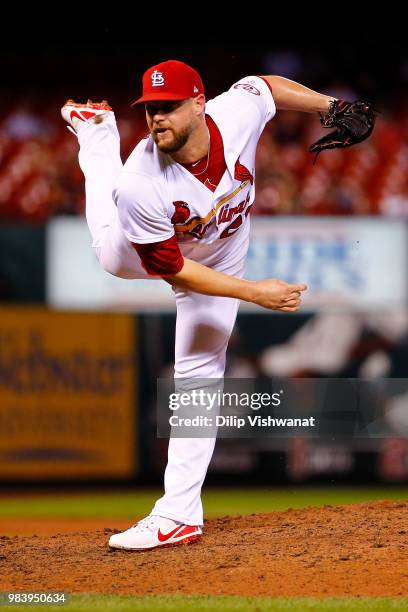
(353, 123)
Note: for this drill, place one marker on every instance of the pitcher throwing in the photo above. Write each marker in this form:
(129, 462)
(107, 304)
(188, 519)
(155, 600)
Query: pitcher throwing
(179, 209)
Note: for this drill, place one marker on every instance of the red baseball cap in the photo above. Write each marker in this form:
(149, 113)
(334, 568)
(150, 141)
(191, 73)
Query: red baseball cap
(171, 80)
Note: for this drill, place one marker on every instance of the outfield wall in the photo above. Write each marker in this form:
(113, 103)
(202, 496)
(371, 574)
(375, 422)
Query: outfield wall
(80, 352)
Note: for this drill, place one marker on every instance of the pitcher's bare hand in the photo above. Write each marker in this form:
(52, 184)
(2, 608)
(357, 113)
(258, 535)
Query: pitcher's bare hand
(276, 294)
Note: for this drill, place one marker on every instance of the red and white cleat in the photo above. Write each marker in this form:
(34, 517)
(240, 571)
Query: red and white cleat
(154, 532)
(89, 112)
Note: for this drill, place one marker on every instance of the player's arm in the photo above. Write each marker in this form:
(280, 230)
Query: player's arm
(143, 223)
(289, 95)
(271, 293)
(164, 259)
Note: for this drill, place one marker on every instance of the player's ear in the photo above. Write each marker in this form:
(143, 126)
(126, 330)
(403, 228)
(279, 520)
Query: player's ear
(199, 104)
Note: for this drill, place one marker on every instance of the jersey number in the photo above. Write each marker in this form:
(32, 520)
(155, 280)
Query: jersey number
(232, 228)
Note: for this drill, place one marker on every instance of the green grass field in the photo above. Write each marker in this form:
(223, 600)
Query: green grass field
(180, 603)
(217, 502)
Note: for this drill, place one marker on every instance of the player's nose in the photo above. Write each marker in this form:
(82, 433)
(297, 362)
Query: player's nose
(157, 114)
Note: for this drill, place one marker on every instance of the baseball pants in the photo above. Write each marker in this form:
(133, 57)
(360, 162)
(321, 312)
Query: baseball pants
(203, 325)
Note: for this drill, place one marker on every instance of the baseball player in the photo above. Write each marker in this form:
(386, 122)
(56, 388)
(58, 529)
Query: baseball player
(179, 209)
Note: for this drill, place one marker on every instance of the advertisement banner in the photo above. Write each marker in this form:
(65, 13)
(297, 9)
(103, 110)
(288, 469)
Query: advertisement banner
(76, 280)
(352, 263)
(347, 263)
(67, 395)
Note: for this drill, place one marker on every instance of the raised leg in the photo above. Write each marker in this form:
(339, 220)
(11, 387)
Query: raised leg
(99, 158)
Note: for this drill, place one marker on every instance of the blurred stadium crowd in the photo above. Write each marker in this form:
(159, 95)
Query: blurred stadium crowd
(40, 176)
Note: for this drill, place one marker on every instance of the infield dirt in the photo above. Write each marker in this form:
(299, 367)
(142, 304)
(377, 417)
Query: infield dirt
(353, 550)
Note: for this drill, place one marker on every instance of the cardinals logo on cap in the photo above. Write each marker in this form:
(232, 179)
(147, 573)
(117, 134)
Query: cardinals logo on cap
(157, 79)
(170, 80)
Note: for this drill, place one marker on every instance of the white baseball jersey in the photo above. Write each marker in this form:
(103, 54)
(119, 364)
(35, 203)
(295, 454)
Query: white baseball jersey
(152, 186)
(212, 227)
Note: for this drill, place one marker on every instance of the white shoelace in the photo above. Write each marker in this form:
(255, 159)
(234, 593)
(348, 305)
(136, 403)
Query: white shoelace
(150, 522)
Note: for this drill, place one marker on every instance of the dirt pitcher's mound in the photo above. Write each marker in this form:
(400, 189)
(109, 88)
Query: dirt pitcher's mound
(351, 550)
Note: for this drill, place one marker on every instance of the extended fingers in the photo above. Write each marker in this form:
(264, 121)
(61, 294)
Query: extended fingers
(292, 295)
(296, 287)
(293, 302)
(295, 295)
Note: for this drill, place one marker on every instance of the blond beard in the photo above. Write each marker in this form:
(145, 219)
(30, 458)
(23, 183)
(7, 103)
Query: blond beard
(178, 142)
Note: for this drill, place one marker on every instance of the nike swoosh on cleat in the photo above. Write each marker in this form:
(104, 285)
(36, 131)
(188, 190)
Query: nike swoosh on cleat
(86, 114)
(163, 537)
(75, 114)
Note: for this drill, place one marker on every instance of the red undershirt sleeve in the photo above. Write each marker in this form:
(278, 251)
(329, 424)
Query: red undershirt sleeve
(160, 258)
